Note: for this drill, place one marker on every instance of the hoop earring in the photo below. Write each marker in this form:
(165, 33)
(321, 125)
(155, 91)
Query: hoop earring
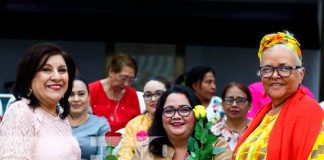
(30, 92)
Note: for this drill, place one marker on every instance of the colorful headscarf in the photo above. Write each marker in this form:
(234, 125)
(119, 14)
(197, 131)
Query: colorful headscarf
(287, 39)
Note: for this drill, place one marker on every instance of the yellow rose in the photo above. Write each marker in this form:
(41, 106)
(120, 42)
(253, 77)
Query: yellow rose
(200, 111)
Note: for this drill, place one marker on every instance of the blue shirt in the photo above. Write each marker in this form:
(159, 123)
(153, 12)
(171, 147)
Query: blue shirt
(91, 137)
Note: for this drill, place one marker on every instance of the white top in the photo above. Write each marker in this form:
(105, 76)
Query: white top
(1, 109)
(322, 105)
(141, 101)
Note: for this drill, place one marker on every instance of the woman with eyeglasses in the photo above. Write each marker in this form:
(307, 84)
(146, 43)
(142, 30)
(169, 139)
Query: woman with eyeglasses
(291, 125)
(173, 124)
(113, 97)
(236, 103)
(136, 129)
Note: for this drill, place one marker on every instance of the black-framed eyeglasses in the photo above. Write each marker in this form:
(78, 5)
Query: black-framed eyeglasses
(283, 71)
(183, 111)
(125, 78)
(239, 100)
(148, 95)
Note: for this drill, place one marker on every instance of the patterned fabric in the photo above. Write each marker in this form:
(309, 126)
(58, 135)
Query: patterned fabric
(317, 152)
(255, 146)
(117, 113)
(287, 39)
(215, 111)
(296, 129)
(129, 140)
(33, 134)
(318, 148)
(231, 136)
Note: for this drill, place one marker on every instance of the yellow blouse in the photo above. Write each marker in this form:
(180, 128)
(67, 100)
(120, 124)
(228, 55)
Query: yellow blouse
(255, 146)
(129, 140)
(318, 148)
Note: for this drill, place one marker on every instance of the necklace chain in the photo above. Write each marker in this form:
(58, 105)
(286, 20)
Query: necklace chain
(110, 94)
(242, 127)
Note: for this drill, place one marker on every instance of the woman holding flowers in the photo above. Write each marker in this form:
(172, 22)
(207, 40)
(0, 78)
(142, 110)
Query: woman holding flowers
(173, 125)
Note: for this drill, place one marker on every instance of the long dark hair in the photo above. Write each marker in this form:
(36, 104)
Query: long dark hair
(157, 130)
(79, 77)
(197, 74)
(33, 61)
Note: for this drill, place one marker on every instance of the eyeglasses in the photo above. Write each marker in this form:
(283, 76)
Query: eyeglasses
(125, 78)
(239, 100)
(183, 111)
(283, 71)
(148, 95)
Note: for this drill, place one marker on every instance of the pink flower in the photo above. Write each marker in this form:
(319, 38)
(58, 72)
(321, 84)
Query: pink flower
(141, 135)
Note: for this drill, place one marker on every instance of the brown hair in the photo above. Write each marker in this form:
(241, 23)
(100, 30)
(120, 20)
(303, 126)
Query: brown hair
(33, 61)
(120, 60)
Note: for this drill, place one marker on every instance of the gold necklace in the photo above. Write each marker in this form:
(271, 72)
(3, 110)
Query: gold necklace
(241, 129)
(110, 94)
(49, 112)
(114, 114)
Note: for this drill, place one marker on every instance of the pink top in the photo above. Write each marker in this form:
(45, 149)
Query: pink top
(27, 134)
(259, 99)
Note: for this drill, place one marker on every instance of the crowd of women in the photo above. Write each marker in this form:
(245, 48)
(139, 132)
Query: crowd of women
(59, 115)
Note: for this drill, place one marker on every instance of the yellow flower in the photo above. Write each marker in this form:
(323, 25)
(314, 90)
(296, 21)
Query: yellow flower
(200, 111)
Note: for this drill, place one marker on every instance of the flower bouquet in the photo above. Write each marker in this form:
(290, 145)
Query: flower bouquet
(201, 145)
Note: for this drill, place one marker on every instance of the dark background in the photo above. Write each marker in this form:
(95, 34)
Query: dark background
(181, 22)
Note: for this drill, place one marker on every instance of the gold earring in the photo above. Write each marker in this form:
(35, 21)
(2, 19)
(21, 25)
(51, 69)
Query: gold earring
(30, 92)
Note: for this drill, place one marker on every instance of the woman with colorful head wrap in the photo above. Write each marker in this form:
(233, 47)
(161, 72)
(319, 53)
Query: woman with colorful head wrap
(291, 125)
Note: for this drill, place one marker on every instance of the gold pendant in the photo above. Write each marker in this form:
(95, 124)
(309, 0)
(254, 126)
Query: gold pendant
(112, 118)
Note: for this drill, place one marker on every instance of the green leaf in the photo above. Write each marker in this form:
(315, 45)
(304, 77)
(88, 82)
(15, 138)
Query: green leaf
(190, 158)
(206, 139)
(191, 144)
(208, 125)
(193, 154)
(199, 134)
(110, 149)
(211, 138)
(196, 147)
(111, 157)
(201, 123)
(206, 152)
(203, 138)
(218, 150)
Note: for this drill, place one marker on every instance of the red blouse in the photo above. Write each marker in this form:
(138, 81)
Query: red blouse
(117, 113)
